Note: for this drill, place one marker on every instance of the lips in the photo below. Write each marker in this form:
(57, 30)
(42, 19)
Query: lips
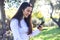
(26, 15)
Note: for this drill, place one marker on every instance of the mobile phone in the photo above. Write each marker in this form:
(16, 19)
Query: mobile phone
(40, 24)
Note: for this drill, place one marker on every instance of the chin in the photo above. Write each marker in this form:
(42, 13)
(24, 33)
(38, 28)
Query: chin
(26, 17)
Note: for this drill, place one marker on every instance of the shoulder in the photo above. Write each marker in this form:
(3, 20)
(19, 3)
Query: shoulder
(14, 20)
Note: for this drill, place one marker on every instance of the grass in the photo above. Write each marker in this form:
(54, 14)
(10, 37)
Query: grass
(51, 33)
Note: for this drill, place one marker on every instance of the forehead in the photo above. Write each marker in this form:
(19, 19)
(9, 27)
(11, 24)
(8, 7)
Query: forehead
(29, 8)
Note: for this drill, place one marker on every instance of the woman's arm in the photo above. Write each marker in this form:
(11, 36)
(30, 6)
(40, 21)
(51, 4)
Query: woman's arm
(15, 30)
(35, 32)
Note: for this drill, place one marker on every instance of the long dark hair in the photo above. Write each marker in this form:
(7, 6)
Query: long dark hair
(19, 16)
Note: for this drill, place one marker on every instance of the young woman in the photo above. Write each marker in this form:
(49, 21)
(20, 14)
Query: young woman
(21, 24)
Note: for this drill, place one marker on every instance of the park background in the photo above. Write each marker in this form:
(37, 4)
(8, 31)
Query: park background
(47, 11)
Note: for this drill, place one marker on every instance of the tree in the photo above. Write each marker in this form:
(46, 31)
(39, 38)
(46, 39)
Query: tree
(57, 22)
(2, 16)
(32, 2)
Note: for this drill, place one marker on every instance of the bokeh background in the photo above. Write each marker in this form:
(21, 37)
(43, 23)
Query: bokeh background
(47, 11)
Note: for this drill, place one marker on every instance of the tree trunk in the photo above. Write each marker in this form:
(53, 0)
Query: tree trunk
(2, 16)
(57, 22)
(32, 2)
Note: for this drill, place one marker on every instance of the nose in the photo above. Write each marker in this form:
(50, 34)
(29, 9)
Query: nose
(29, 13)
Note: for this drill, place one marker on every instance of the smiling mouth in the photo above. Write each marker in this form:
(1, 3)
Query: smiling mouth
(26, 15)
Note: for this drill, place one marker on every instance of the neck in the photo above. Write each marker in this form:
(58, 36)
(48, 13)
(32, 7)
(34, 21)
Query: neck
(23, 17)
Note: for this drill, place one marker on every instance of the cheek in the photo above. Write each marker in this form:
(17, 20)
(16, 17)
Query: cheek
(24, 13)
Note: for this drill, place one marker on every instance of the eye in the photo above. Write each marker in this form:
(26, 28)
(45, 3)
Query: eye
(29, 11)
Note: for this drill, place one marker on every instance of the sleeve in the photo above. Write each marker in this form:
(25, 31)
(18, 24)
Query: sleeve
(35, 32)
(14, 28)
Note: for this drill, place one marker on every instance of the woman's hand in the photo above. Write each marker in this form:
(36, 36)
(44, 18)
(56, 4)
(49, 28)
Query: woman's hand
(40, 27)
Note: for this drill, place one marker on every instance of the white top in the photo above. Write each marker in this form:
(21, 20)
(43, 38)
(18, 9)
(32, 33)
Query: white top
(20, 33)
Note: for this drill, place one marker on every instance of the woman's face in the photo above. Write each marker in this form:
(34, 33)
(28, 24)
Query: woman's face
(27, 11)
